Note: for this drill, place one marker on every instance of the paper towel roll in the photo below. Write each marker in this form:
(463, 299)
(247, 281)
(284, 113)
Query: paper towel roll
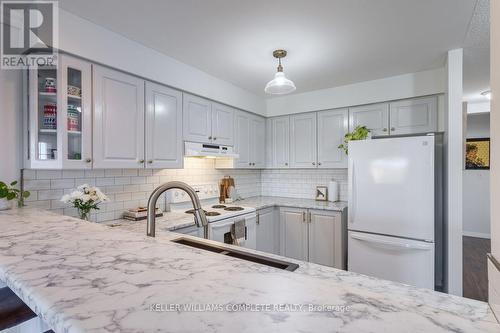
(333, 191)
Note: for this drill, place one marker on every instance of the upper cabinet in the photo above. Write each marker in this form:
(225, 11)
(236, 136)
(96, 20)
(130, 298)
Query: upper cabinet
(332, 126)
(373, 116)
(207, 122)
(250, 140)
(411, 116)
(118, 119)
(303, 150)
(164, 147)
(59, 120)
(279, 145)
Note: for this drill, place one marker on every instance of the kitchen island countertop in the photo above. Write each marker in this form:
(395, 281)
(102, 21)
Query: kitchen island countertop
(85, 277)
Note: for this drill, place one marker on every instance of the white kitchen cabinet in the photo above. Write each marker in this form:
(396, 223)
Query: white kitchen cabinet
(418, 115)
(258, 141)
(326, 238)
(373, 116)
(318, 236)
(332, 126)
(207, 122)
(268, 230)
(197, 113)
(250, 140)
(303, 140)
(279, 137)
(59, 121)
(164, 147)
(118, 119)
(222, 124)
(293, 233)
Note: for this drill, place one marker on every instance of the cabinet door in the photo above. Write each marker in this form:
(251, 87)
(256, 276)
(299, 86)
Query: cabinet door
(373, 116)
(258, 142)
(266, 231)
(76, 107)
(163, 127)
(326, 246)
(242, 139)
(332, 126)
(197, 119)
(222, 124)
(118, 119)
(303, 149)
(411, 116)
(293, 233)
(280, 142)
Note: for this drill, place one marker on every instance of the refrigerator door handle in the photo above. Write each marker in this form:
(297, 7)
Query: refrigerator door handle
(351, 195)
(391, 245)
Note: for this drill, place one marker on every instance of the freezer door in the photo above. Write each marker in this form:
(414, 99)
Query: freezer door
(391, 187)
(391, 258)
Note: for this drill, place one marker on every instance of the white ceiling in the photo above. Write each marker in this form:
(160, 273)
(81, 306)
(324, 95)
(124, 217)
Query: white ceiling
(329, 42)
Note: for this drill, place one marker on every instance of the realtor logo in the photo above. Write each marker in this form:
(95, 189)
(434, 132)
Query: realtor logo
(29, 34)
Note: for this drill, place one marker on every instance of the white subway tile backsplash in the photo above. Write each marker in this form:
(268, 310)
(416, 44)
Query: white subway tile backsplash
(129, 188)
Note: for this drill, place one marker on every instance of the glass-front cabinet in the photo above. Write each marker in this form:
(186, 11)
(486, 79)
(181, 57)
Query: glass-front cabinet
(59, 119)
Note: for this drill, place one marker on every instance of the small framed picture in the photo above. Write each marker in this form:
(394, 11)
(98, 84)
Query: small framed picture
(321, 193)
(477, 154)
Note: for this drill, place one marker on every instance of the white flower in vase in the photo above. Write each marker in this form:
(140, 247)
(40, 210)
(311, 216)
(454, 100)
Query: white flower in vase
(84, 199)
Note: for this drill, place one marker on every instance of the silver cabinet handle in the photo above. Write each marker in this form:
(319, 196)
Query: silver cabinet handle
(257, 221)
(88, 160)
(309, 219)
(384, 130)
(303, 216)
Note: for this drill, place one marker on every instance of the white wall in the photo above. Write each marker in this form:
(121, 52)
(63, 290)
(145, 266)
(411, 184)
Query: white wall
(454, 170)
(10, 120)
(391, 88)
(88, 40)
(476, 184)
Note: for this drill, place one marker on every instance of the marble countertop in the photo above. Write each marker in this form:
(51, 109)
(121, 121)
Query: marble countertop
(178, 219)
(85, 277)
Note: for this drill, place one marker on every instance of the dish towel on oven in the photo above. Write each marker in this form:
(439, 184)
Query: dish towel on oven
(238, 232)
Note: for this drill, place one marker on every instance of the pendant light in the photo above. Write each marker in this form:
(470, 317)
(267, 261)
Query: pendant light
(280, 84)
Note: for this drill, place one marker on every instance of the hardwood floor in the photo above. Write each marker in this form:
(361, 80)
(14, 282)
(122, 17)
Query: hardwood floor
(475, 272)
(13, 311)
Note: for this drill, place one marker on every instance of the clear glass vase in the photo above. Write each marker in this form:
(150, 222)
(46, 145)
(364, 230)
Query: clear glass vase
(84, 214)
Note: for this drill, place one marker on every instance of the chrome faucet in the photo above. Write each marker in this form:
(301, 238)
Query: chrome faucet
(199, 213)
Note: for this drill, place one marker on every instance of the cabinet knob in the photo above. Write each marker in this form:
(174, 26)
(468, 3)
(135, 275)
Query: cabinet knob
(249, 163)
(286, 164)
(384, 130)
(319, 163)
(215, 138)
(393, 129)
(150, 161)
(141, 161)
(209, 138)
(314, 163)
(88, 160)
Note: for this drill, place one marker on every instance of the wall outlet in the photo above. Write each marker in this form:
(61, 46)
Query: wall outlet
(204, 191)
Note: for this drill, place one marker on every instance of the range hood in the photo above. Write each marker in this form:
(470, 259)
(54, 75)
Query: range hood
(196, 149)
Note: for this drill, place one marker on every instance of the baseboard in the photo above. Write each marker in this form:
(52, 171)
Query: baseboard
(476, 234)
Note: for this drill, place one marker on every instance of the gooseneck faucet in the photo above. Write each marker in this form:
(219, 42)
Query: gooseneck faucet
(199, 213)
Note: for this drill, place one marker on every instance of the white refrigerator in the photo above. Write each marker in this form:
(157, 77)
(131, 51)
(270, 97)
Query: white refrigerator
(395, 209)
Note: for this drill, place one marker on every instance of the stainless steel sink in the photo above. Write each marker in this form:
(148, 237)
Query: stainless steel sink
(259, 259)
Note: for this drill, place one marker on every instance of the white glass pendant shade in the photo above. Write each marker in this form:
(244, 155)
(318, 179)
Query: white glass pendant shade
(279, 85)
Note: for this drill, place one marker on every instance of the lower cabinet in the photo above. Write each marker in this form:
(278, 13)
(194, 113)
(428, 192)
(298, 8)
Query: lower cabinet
(318, 236)
(268, 230)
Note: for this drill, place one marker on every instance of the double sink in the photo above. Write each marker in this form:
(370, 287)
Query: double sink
(230, 252)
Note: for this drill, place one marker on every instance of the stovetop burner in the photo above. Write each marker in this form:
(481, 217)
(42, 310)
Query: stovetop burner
(212, 213)
(219, 206)
(232, 209)
(191, 211)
